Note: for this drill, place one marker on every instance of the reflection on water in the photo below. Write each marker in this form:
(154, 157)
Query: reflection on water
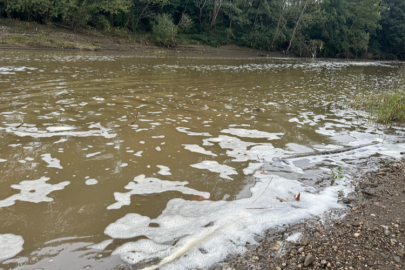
(112, 159)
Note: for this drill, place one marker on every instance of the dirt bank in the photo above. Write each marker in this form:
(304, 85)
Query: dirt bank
(29, 35)
(370, 236)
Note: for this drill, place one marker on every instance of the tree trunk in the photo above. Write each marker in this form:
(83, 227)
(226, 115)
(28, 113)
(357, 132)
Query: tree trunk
(8, 12)
(129, 17)
(296, 25)
(217, 7)
(278, 26)
(140, 16)
(201, 9)
(112, 18)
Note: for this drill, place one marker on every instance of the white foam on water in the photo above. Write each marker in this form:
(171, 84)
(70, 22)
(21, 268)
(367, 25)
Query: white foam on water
(52, 162)
(33, 191)
(10, 245)
(239, 149)
(298, 148)
(252, 133)
(164, 170)
(61, 141)
(213, 166)
(102, 245)
(14, 144)
(217, 227)
(60, 128)
(3, 160)
(158, 148)
(252, 168)
(143, 185)
(93, 154)
(138, 154)
(91, 181)
(185, 130)
(198, 149)
(223, 227)
(294, 237)
(35, 133)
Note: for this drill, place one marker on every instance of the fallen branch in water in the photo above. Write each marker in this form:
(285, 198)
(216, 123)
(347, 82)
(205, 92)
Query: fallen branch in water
(264, 190)
(329, 152)
(137, 113)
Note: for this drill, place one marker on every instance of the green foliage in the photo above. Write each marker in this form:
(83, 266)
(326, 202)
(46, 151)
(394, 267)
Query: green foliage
(329, 28)
(164, 29)
(338, 174)
(384, 107)
(391, 36)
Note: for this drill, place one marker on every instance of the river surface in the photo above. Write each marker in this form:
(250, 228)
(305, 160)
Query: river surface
(112, 159)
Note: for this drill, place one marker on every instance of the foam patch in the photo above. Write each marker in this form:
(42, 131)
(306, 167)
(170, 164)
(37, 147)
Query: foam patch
(52, 162)
(33, 191)
(198, 149)
(10, 245)
(143, 185)
(213, 166)
(164, 170)
(217, 227)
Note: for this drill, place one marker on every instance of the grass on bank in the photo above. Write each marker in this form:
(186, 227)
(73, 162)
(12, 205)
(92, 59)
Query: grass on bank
(387, 108)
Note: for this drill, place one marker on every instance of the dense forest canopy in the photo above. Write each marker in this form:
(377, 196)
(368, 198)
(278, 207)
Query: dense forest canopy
(328, 28)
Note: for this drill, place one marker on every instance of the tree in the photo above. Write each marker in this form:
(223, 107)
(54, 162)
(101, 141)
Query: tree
(391, 36)
(298, 22)
(7, 10)
(144, 9)
(114, 6)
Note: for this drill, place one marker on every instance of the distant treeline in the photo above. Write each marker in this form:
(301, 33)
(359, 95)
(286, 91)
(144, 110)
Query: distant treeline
(328, 28)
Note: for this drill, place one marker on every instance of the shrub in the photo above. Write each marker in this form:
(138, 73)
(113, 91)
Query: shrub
(164, 29)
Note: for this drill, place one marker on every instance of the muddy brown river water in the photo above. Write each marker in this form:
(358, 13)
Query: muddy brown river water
(119, 160)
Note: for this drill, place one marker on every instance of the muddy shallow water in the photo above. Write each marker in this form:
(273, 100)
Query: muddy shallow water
(111, 159)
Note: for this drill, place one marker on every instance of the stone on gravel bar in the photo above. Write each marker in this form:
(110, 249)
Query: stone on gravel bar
(310, 259)
(397, 259)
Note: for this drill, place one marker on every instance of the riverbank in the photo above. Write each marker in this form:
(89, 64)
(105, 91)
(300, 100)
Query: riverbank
(30, 35)
(371, 235)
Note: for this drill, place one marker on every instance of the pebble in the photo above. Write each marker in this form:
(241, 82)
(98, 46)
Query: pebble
(351, 198)
(397, 259)
(259, 238)
(345, 200)
(310, 259)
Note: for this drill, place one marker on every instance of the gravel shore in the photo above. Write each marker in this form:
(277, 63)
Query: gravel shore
(371, 234)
